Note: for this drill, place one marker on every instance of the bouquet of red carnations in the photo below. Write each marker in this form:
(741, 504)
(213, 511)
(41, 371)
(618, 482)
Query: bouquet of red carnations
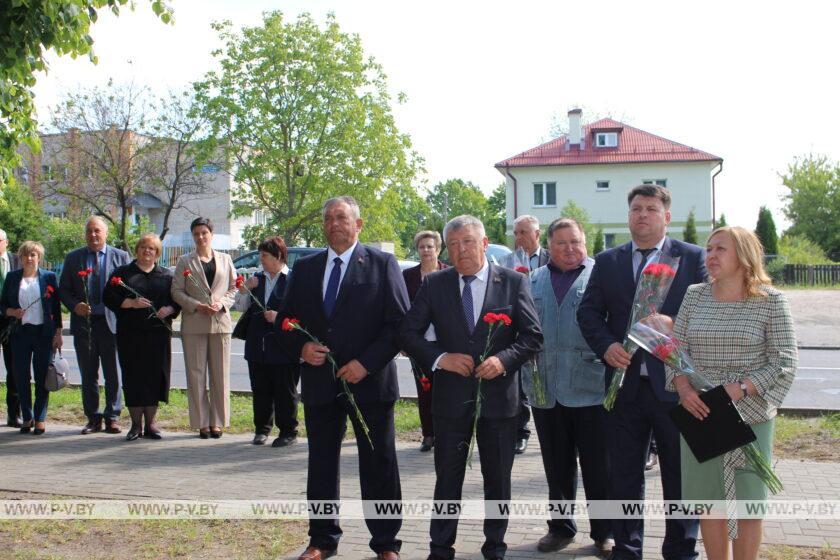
(653, 286)
(670, 351)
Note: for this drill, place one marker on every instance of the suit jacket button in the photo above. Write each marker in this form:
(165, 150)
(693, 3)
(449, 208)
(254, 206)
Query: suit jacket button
(329, 330)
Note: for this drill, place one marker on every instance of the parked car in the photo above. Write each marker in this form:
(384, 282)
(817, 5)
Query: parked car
(495, 253)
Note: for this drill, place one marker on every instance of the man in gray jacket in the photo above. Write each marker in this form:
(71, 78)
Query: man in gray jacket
(567, 400)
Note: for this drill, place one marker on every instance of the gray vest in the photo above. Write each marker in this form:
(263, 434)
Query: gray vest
(571, 373)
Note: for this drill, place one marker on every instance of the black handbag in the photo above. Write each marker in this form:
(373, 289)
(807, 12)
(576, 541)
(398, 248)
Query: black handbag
(723, 430)
(240, 331)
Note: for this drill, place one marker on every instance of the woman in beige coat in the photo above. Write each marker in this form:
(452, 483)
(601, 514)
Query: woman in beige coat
(204, 286)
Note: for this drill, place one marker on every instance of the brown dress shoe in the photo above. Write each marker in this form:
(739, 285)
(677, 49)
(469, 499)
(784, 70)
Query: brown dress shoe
(388, 555)
(112, 427)
(92, 426)
(315, 553)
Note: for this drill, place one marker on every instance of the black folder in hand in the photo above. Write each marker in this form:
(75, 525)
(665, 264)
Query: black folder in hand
(722, 430)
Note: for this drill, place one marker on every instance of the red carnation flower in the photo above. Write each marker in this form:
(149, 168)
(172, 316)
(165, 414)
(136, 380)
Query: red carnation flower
(239, 281)
(290, 324)
(425, 384)
(490, 318)
(523, 269)
(116, 280)
(187, 272)
(664, 350)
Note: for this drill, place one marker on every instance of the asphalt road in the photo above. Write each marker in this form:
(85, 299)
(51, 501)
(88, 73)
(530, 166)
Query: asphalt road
(817, 382)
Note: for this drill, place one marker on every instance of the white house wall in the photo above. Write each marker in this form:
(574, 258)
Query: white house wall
(689, 183)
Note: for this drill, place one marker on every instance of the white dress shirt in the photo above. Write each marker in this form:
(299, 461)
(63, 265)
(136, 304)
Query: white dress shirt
(637, 262)
(345, 260)
(29, 294)
(478, 287)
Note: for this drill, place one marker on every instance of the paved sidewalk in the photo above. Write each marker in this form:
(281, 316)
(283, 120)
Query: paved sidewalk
(183, 466)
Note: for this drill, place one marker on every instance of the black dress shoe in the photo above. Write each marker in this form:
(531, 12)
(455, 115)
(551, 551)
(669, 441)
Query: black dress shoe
(284, 441)
(26, 428)
(133, 433)
(203, 435)
(652, 460)
(38, 431)
(13, 422)
(215, 434)
(92, 426)
(521, 446)
(428, 443)
(553, 542)
(259, 439)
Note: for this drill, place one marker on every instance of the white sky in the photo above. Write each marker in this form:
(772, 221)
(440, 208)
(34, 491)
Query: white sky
(752, 82)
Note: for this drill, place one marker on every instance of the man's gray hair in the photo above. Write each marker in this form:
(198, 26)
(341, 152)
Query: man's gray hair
(95, 218)
(3, 235)
(463, 221)
(346, 199)
(527, 218)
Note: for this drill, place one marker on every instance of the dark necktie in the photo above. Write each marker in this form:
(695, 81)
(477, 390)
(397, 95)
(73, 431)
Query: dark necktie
(332, 287)
(94, 287)
(467, 303)
(645, 253)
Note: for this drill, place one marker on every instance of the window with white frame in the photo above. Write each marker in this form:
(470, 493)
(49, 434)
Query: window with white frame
(602, 185)
(660, 182)
(609, 240)
(545, 194)
(606, 139)
(47, 173)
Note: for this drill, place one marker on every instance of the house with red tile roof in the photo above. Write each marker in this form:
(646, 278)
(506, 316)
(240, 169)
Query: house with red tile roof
(597, 164)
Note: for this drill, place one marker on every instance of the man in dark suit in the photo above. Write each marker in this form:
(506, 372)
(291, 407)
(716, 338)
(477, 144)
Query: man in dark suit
(352, 298)
(642, 405)
(454, 301)
(526, 237)
(9, 262)
(93, 325)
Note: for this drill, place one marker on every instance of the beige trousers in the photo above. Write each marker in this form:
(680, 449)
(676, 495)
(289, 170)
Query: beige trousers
(207, 358)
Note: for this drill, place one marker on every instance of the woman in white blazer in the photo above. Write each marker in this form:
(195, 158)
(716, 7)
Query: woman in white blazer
(205, 287)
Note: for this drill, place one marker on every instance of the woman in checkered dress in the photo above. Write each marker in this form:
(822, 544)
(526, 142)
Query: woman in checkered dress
(739, 333)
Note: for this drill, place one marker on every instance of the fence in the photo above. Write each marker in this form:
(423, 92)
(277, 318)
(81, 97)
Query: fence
(812, 274)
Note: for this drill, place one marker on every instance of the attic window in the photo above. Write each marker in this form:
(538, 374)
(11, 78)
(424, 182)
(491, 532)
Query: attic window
(606, 139)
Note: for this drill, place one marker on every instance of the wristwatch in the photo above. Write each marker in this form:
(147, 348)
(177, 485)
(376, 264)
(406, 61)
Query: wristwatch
(743, 386)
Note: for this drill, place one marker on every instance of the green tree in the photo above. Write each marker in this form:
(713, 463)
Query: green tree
(598, 244)
(496, 219)
(722, 221)
(61, 235)
(798, 249)
(813, 200)
(690, 231)
(572, 210)
(301, 115)
(28, 30)
(455, 197)
(21, 216)
(765, 229)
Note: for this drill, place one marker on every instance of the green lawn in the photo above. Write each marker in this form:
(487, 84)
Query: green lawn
(66, 407)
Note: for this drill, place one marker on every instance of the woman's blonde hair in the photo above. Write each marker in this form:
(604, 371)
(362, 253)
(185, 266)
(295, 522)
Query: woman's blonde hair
(751, 257)
(31, 247)
(155, 242)
(428, 234)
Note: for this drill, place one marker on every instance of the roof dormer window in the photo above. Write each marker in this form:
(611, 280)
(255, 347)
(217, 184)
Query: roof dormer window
(606, 139)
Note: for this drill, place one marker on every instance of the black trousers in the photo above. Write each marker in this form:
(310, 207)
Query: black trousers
(274, 396)
(101, 349)
(629, 429)
(12, 400)
(496, 439)
(379, 474)
(524, 414)
(566, 433)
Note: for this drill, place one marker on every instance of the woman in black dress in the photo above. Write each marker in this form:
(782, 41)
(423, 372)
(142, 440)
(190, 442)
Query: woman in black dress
(144, 311)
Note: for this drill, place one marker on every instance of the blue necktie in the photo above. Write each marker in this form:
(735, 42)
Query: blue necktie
(467, 303)
(332, 287)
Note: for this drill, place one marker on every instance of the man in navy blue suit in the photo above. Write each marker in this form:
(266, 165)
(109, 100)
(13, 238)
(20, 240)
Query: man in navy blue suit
(352, 298)
(93, 325)
(642, 405)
